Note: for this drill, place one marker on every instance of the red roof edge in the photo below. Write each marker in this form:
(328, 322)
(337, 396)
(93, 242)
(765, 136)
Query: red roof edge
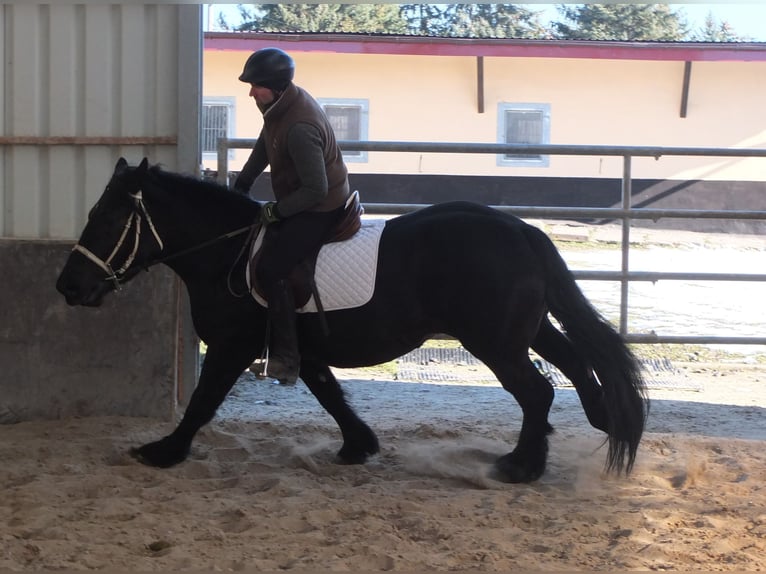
(503, 48)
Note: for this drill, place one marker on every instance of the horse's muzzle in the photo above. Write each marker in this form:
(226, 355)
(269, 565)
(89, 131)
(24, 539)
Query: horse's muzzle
(75, 295)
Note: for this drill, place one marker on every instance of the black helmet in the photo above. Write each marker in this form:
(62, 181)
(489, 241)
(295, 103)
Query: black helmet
(269, 67)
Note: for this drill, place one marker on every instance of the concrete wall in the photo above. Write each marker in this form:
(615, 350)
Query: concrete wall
(60, 361)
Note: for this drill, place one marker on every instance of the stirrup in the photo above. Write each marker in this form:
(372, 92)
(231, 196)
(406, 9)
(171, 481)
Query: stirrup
(278, 373)
(258, 368)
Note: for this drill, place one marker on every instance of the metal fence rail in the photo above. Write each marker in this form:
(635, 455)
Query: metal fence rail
(625, 213)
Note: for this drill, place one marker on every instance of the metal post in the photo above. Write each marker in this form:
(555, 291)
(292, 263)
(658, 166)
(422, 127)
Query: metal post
(223, 161)
(624, 268)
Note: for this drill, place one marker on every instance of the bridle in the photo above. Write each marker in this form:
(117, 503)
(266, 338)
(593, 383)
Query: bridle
(140, 213)
(133, 223)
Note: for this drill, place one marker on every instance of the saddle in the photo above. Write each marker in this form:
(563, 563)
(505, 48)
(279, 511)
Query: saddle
(301, 279)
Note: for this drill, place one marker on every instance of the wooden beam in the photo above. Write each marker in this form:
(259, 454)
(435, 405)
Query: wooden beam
(685, 88)
(480, 82)
(88, 140)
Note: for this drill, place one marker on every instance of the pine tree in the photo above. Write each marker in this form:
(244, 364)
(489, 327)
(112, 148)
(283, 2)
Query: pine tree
(494, 21)
(349, 18)
(439, 20)
(625, 22)
(426, 19)
(715, 31)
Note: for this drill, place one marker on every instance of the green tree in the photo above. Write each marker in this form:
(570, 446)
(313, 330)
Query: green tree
(464, 20)
(222, 23)
(493, 21)
(619, 22)
(473, 20)
(426, 19)
(363, 18)
(715, 31)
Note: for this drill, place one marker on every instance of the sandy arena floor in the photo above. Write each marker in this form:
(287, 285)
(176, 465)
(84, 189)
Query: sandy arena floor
(261, 491)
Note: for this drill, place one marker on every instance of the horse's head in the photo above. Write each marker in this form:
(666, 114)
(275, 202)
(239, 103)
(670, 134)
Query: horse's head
(117, 242)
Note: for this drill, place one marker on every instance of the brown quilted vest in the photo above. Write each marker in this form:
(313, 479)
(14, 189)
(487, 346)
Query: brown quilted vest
(294, 106)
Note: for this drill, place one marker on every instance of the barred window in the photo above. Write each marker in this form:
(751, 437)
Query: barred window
(217, 122)
(523, 124)
(348, 119)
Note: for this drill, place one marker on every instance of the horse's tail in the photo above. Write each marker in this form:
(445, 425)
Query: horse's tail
(603, 349)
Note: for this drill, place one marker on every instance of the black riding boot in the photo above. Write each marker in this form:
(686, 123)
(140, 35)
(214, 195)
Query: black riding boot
(284, 361)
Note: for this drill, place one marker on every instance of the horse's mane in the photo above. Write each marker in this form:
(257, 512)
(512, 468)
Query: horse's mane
(191, 185)
(214, 201)
(188, 183)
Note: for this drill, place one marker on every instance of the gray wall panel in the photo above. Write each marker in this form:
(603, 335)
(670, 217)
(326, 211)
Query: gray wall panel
(78, 77)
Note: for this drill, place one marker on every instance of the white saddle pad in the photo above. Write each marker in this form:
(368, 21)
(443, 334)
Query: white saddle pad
(345, 270)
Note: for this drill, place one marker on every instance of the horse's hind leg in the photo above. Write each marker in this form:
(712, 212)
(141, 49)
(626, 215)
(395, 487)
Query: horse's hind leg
(510, 362)
(555, 348)
(359, 441)
(534, 393)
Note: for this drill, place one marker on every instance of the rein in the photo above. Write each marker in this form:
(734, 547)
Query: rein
(134, 222)
(208, 243)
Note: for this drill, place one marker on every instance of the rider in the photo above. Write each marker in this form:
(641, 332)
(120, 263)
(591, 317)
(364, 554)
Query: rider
(310, 184)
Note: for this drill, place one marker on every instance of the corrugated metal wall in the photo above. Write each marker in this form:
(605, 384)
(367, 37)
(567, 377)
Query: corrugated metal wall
(80, 86)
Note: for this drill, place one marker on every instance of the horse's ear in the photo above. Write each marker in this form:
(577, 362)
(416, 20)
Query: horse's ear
(143, 167)
(122, 163)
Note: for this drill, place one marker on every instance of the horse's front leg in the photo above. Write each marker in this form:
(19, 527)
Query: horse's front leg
(222, 367)
(359, 441)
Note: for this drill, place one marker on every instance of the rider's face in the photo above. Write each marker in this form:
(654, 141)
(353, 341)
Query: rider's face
(263, 96)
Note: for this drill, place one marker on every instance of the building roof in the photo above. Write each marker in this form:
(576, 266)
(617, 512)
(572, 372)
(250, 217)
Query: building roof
(489, 47)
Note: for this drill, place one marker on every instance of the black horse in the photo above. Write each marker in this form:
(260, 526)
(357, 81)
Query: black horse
(484, 277)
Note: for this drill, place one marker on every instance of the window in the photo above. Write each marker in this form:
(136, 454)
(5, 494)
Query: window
(348, 119)
(523, 124)
(217, 122)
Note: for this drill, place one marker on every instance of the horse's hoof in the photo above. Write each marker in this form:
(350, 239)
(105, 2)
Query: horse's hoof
(358, 446)
(345, 458)
(508, 469)
(158, 454)
(356, 455)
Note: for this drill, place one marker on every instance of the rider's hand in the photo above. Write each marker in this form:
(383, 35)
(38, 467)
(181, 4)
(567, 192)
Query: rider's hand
(269, 213)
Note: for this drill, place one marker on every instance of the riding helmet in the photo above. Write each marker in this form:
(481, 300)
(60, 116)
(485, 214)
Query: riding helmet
(269, 67)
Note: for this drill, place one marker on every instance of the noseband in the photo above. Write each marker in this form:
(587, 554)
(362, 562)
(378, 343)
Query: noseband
(134, 222)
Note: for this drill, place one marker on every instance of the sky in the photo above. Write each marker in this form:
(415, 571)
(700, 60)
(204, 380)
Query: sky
(746, 18)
